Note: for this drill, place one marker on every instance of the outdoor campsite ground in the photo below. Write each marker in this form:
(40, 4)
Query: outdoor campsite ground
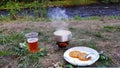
(102, 34)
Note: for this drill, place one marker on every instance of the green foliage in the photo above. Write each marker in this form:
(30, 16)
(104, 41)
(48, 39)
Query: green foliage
(77, 17)
(69, 66)
(105, 60)
(14, 6)
(21, 50)
(115, 1)
(40, 6)
(83, 2)
(92, 46)
(109, 1)
(71, 2)
(105, 1)
(3, 2)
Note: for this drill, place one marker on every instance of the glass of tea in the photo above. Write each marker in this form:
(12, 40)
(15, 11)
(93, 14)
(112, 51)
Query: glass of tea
(32, 39)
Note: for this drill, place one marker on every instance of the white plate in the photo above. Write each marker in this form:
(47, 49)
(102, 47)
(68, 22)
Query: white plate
(76, 61)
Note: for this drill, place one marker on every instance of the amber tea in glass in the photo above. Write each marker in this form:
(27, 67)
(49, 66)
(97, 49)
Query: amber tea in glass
(32, 39)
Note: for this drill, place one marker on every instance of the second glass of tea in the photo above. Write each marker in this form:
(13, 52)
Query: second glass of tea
(32, 39)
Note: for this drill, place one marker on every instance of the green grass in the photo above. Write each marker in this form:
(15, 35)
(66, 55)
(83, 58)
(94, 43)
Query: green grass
(5, 18)
(92, 18)
(24, 18)
(27, 59)
(15, 40)
(87, 18)
(111, 28)
(45, 19)
(114, 17)
(6, 53)
(12, 40)
(95, 17)
(2, 30)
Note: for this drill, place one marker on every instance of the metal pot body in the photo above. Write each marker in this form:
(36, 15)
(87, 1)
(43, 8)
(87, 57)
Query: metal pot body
(62, 35)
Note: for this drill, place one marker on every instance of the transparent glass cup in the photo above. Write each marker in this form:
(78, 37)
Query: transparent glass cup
(32, 39)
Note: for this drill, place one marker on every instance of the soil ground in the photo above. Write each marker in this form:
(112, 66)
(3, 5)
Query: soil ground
(104, 33)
